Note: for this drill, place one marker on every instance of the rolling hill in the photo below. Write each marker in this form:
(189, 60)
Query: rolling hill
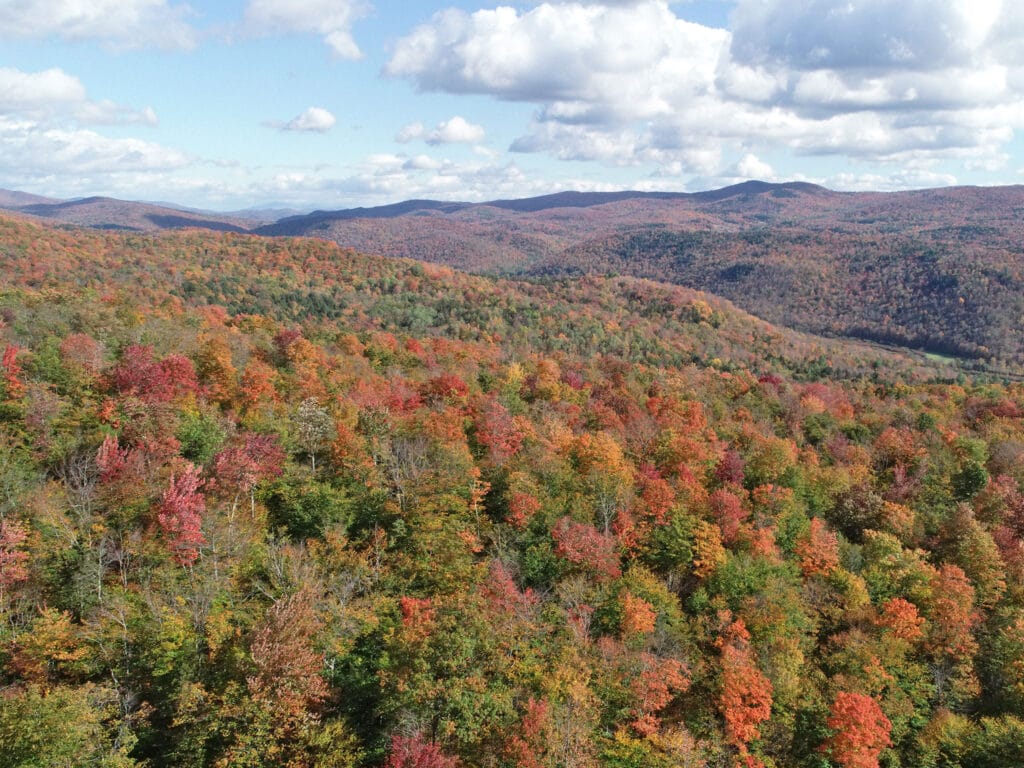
(937, 270)
(941, 271)
(303, 280)
(110, 213)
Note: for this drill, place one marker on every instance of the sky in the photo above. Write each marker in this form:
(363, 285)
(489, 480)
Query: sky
(343, 103)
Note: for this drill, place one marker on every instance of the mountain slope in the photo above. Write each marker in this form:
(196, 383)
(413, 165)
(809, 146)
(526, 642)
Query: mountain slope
(309, 280)
(940, 270)
(110, 213)
(936, 270)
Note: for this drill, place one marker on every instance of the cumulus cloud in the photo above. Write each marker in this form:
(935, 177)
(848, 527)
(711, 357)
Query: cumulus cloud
(118, 23)
(330, 19)
(750, 166)
(625, 83)
(457, 130)
(52, 94)
(422, 163)
(568, 56)
(863, 34)
(384, 178)
(869, 182)
(30, 152)
(829, 57)
(410, 132)
(314, 119)
(46, 136)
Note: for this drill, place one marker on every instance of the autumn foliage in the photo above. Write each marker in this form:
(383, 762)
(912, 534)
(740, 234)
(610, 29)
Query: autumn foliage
(585, 546)
(861, 731)
(415, 751)
(745, 700)
(818, 550)
(13, 557)
(180, 514)
(272, 502)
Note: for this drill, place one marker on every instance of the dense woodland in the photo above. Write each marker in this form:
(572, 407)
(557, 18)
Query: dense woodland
(274, 503)
(938, 270)
(961, 298)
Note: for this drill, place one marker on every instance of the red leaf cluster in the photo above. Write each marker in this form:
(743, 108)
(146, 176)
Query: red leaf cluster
(528, 747)
(415, 751)
(180, 515)
(583, 544)
(288, 668)
(745, 700)
(861, 731)
(498, 432)
(140, 375)
(728, 511)
(251, 459)
(12, 370)
(444, 388)
(818, 550)
(501, 592)
(655, 492)
(12, 557)
(659, 682)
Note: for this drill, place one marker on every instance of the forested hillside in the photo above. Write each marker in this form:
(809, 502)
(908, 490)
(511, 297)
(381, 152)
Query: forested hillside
(932, 270)
(939, 270)
(962, 298)
(269, 502)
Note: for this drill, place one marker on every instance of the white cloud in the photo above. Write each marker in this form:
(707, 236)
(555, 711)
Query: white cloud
(30, 152)
(52, 94)
(386, 177)
(410, 132)
(750, 166)
(422, 163)
(314, 119)
(118, 23)
(568, 56)
(38, 91)
(863, 34)
(457, 130)
(330, 19)
(631, 82)
(869, 182)
(44, 138)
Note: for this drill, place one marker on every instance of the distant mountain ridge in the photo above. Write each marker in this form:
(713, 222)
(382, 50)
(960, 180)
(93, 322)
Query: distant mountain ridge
(939, 270)
(110, 213)
(569, 199)
(12, 200)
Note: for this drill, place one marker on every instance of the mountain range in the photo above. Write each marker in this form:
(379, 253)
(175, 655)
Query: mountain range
(938, 270)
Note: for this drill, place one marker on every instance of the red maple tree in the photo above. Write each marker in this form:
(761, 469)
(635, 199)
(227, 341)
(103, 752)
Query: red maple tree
(861, 731)
(180, 515)
(12, 557)
(745, 700)
(415, 751)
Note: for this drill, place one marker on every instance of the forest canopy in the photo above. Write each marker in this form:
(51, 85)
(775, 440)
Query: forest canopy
(273, 502)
